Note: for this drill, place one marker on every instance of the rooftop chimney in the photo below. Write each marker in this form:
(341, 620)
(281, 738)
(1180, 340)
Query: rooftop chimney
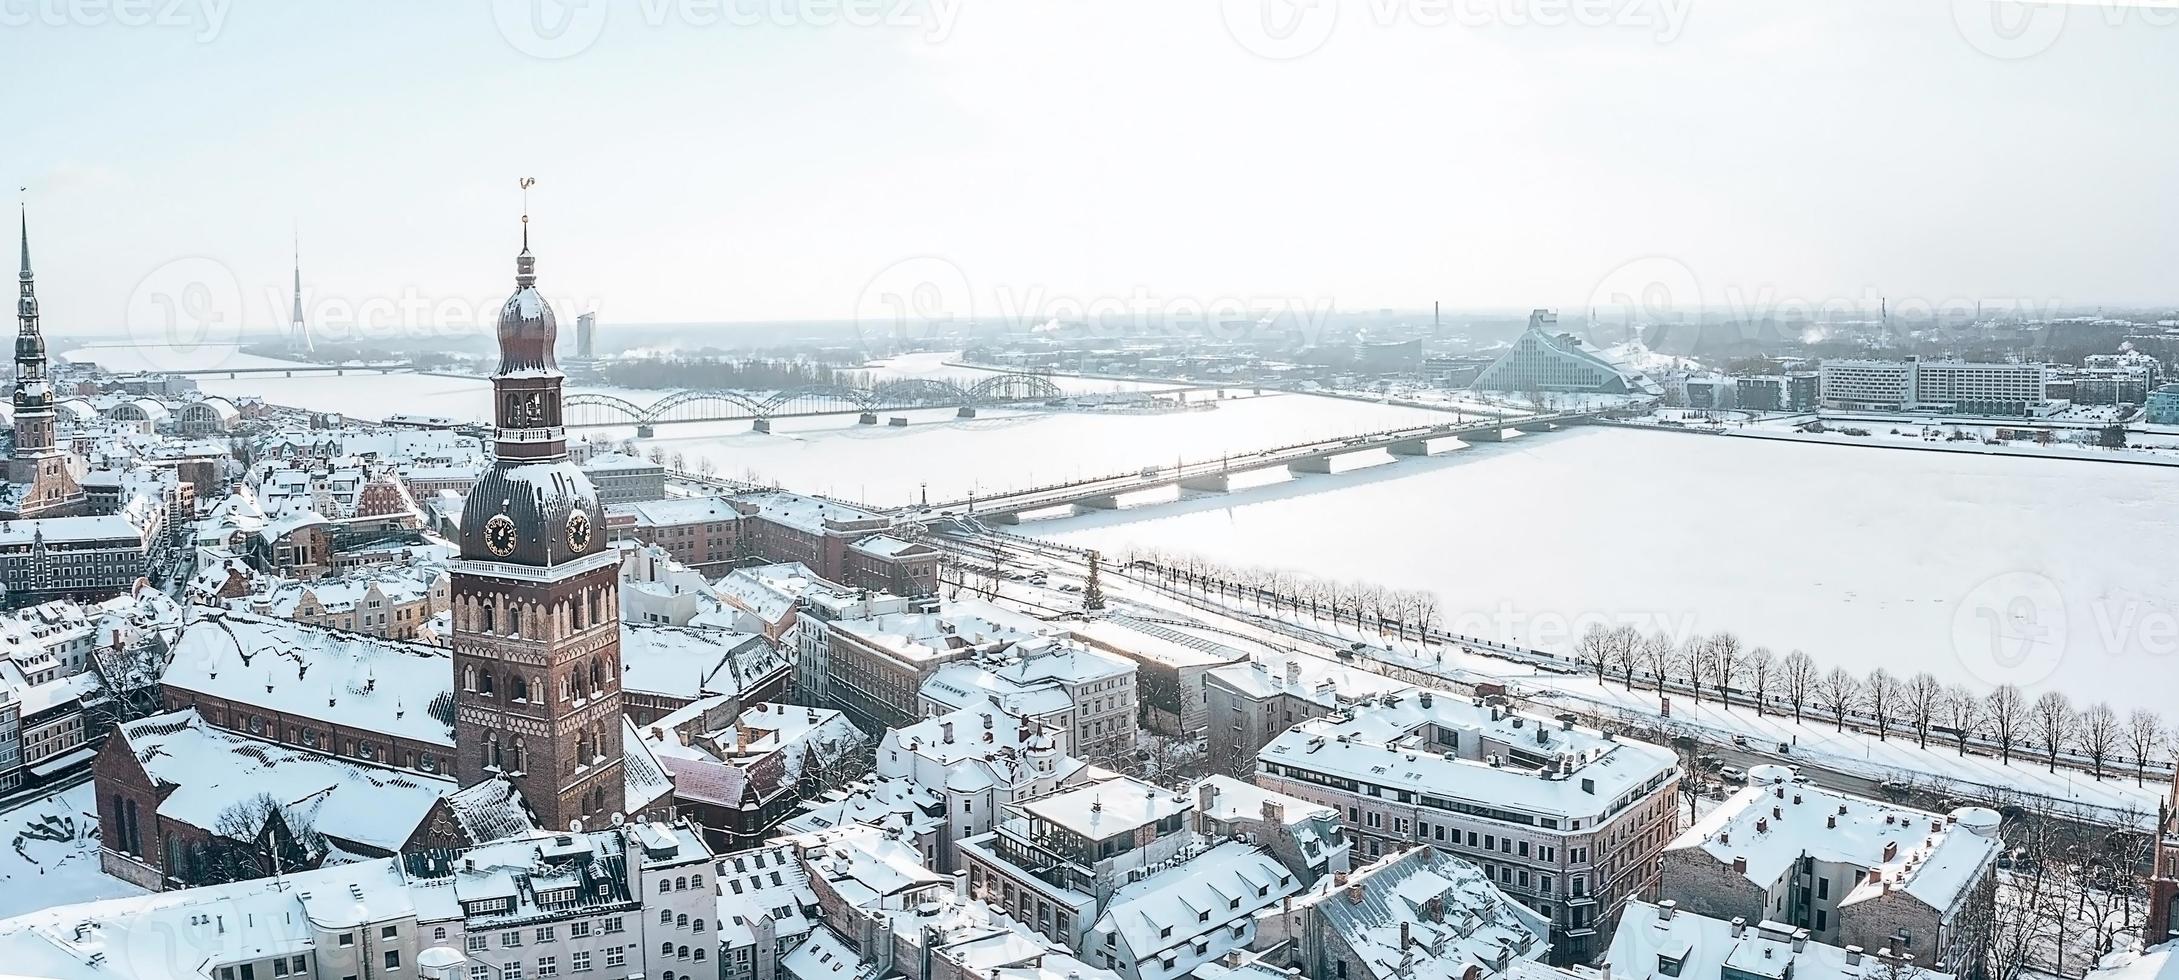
(1740, 867)
(1740, 927)
(946, 730)
(1853, 956)
(1831, 823)
(1665, 910)
(1891, 849)
(1405, 938)
(1800, 939)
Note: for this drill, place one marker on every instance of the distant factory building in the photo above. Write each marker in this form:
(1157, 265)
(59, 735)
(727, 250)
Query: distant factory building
(1545, 360)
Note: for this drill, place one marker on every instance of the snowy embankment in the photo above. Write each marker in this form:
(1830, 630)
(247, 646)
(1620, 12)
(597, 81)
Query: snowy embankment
(2112, 799)
(1978, 775)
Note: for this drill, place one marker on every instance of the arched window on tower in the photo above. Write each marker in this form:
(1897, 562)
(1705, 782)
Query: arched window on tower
(521, 757)
(484, 678)
(492, 756)
(469, 677)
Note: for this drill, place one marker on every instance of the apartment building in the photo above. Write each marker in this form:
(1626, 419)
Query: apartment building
(1569, 821)
(1850, 871)
(1085, 696)
(1251, 702)
(1917, 385)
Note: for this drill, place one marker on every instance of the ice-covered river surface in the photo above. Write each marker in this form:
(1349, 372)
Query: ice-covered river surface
(1981, 570)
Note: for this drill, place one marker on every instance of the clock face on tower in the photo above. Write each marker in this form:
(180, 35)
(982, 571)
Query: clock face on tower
(578, 531)
(499, 535)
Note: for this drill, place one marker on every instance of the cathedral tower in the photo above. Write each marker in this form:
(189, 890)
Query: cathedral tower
(536, 595)
(40, 483)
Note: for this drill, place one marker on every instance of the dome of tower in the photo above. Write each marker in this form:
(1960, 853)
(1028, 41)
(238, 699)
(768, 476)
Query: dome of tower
(527, 329)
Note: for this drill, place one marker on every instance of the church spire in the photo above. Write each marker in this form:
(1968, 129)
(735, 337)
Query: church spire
(26, 304)
(525, 264)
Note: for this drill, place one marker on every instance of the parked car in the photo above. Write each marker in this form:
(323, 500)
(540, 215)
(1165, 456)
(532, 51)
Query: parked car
(1732, 774)
(1740, 741)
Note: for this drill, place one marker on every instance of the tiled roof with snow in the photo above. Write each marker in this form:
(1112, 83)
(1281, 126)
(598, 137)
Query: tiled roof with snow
(868, 867)
(643, 780)
(1446, 909)
(347, 679)
(493, 810)
(756, 883)
(1211, 894)
(1931, 857)
(1650, 936)
(1541, 766)
(214, 770)
(685, 662)
(1321, 681)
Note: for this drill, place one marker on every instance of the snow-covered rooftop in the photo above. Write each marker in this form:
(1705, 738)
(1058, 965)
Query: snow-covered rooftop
(1431, 742)
(1933, 857)
(214, 771)
(1657, 940)
(347, 679)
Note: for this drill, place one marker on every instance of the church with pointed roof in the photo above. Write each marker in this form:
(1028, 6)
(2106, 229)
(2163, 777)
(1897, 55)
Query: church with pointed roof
(41, 476)
(536, 597)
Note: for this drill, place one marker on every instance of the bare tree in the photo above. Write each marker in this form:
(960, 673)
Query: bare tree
(1839, 693)
(1626, 653)
(2052, 719)
(1924, 703)
(1694, 664)
(1657, 651)
(1724, 649)
(1798, 671)
(2008, 713)
(2098, 732)
(1882, 697)
(2144, 731)
(1760, 665)
(1963, 713)
(1595, 649)
(257, 837)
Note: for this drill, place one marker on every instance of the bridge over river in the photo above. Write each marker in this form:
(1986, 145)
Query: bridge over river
(1104, 493)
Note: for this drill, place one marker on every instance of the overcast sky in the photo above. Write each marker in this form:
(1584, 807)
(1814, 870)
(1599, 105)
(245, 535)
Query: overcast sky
(1028, 155)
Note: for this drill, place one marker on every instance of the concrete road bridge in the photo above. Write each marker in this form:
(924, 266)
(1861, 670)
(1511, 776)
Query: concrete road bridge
(716, 405)
(1104, 493)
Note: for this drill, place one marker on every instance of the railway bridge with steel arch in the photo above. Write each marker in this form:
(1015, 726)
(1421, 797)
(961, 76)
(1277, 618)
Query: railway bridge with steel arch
(716, 405)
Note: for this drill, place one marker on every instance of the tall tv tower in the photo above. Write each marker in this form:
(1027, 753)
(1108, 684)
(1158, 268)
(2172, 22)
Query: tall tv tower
(298, 331)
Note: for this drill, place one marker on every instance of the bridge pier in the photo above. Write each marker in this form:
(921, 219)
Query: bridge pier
(966, 412)
(1538, 427)
(1007, 518)
(867, 418)
(761, 425)
(1098, 503)
(1313, 464)
(646, 430)
(1484, 435)
(1412, 447)
(897, 421)
(1209, 483)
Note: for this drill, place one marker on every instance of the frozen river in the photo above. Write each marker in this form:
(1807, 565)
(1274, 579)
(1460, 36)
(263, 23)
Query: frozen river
(1979, 569)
